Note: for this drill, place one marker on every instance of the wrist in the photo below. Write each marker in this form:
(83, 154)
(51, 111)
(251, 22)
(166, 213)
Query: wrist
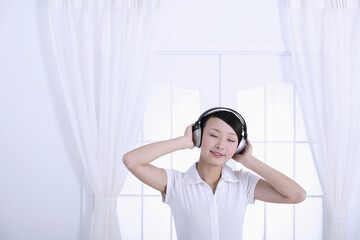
(185, 143)
(248, 161)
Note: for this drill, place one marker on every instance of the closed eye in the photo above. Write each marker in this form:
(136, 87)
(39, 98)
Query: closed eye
(212, 135)
(230, 140)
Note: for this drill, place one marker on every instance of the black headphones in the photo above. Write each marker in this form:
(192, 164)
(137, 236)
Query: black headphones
(197, 131)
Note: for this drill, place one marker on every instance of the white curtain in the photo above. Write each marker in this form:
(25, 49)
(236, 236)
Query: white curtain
(325, 39)
(102, 50)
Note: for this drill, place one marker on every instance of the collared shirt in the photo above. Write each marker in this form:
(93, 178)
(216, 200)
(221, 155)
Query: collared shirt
(199, 214)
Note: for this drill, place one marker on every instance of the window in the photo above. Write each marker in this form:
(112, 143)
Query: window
(144, 216)
(279, 139)
(275, 128)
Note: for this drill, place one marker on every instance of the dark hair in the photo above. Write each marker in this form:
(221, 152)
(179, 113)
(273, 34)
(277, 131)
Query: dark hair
(228, 117)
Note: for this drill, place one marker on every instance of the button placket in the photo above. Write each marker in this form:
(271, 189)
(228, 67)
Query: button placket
(214, 221)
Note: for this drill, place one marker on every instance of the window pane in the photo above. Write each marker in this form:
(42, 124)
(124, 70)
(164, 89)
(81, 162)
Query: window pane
(279, 102)
(254, 222)
(186, 109)
(156, 219)
(157, 113)
(132, 185)
(259, 150)
(308, 219)
(280, 157)
(251, 107)
(306, 174)
(279, 221)
(129, 216)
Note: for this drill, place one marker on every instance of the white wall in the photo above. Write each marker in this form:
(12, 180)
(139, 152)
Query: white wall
(41, 194)
(228, 25)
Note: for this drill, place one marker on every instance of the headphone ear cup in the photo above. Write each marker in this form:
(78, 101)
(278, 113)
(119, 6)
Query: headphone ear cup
(196, 137)
(241, 146)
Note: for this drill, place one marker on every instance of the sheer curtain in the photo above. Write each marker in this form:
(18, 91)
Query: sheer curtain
(102, 50)
(325, 40)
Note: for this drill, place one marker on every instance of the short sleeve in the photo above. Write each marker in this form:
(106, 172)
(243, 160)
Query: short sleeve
(172, 179)
(250, 180)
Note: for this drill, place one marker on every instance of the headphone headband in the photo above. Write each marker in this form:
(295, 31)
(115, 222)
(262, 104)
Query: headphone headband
(220, 109)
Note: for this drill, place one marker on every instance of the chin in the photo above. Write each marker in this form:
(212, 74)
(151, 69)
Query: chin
(215, 162)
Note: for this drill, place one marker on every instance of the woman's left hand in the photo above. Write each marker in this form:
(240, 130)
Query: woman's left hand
(246, 155)
(275, 187)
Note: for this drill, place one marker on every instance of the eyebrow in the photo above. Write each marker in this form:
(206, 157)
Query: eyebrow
(217, 130)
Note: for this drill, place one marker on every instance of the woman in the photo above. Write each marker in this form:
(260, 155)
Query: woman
(209, 200)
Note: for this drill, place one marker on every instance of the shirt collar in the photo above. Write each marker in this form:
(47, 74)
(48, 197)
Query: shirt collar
(228, 174)
(192, 175)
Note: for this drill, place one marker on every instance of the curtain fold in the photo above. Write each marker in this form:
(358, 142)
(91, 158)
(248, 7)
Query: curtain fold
(102, 50)
(325, 41)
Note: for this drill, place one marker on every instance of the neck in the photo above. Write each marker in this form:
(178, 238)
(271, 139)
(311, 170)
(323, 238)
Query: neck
(209, 173)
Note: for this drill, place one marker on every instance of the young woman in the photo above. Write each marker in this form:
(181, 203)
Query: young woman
(209, 200)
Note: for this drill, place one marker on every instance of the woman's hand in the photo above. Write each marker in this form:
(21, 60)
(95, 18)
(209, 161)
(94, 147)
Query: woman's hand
(275, 186)
(188, 137)
(138, 160)
(246, 156)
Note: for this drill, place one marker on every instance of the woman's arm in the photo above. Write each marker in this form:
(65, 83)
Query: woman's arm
(138, 160)
(276, 187)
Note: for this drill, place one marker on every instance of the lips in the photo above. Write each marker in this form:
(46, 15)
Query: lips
(217, 154)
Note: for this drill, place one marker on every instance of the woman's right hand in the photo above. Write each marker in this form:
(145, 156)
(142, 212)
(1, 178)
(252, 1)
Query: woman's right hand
(138, 160)
(188, 137)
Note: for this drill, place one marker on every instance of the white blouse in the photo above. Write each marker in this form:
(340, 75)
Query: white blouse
(201, 215)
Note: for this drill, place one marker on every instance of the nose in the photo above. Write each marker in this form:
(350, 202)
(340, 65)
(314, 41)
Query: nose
(219, 145)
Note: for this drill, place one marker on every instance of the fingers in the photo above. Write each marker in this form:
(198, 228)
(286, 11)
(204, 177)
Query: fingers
(188, 130)
(248, 146)
(189, 136)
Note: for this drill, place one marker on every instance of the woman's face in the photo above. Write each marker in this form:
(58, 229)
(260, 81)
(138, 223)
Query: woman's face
(219, 142)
